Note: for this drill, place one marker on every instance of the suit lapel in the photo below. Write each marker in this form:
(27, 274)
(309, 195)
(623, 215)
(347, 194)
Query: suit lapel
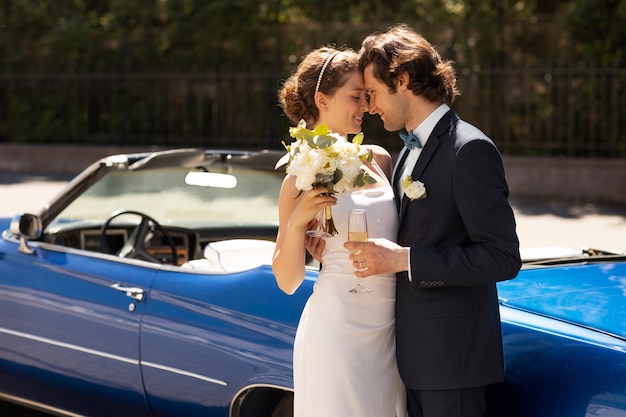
(440, 132)
(404, 153)
(418, 169)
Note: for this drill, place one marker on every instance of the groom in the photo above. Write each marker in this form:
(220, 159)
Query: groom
(457, 230)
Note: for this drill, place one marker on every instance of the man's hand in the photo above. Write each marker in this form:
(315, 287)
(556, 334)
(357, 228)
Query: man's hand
(378, 256)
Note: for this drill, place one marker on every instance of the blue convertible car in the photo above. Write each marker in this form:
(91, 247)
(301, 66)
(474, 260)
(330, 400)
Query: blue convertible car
(144, 289)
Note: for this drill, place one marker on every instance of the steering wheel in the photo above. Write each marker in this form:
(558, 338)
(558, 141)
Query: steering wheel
(134, 247)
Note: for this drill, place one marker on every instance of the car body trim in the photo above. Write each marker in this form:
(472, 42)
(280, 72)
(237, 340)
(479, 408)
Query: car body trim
(37, 406)
(185, 373)
(69, 346)
(111, 356)
(531, 320)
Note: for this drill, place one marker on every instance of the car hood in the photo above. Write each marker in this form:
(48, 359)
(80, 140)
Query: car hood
(592, 295)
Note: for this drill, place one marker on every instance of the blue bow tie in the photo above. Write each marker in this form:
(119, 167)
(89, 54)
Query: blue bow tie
(410, 140)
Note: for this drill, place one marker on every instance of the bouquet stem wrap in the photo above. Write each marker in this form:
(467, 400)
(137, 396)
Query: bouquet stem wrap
(329, 224)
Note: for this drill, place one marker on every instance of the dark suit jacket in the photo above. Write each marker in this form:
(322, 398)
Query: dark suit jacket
(463, 240)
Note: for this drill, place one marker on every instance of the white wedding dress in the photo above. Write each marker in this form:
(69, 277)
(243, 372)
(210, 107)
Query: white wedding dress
(344, 353)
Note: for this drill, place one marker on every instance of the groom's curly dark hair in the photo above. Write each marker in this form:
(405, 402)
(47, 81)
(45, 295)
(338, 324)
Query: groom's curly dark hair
(402, 50)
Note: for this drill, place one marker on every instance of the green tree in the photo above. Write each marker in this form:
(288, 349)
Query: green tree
(597, 30)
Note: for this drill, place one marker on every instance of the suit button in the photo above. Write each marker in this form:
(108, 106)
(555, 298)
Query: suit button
(440, 283)
(423, 283)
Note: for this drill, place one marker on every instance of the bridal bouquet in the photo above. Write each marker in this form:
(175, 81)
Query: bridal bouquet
(320, 157)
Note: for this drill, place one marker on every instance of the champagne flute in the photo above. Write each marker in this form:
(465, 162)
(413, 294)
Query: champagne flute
(357, 232)
(320, 229)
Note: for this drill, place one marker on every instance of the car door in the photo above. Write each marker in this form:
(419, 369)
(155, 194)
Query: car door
(207, 336)
(69, 329)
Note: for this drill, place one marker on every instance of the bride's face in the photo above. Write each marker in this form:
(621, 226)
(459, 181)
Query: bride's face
(344, 110)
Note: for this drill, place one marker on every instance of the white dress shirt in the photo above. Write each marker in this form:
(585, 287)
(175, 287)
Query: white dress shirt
(422, 132)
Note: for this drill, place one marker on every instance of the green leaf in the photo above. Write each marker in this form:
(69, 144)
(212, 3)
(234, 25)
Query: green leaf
(358, 139)
(321, 130)
(324, 141)
(337, 176)
(363, 178)
(369, 179)
(321, 179)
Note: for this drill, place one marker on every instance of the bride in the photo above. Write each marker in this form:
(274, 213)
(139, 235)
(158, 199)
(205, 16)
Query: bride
(344, 351)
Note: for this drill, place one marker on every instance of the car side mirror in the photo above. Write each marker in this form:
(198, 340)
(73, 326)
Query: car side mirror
(26, 226)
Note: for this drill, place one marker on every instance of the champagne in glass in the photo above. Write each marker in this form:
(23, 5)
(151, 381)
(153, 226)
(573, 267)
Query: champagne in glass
(357, 236)
(357, 232)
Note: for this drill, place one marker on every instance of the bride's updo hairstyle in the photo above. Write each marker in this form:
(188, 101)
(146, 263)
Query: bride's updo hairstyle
(325, 69)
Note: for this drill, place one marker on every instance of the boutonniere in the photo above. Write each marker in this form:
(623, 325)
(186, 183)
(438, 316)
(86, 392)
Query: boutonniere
(413, 189)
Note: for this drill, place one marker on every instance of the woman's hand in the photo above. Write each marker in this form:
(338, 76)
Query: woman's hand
(310, 204)
(295, 211)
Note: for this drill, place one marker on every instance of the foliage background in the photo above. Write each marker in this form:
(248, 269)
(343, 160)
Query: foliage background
(105, 72)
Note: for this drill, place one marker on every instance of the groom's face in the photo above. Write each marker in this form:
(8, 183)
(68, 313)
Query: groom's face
(388, 105)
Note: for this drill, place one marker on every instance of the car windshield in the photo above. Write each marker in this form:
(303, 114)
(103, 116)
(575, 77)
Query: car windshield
(240, 197)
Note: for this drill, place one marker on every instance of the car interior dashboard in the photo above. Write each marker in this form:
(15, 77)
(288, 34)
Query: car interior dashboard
(189, 243)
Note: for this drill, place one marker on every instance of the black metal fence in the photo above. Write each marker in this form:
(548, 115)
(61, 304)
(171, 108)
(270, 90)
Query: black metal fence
(575, 112)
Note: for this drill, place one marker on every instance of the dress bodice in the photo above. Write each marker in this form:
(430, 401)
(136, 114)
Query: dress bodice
(381, 223)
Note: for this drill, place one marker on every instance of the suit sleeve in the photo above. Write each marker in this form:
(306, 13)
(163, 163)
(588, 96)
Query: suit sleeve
(484, 246)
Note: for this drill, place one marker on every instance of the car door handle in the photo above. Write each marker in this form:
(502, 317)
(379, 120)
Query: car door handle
(132, 292)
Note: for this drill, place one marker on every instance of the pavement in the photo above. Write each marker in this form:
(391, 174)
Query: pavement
(540, 222)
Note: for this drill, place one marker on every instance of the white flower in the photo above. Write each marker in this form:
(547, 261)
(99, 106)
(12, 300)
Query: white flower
(413, 189)
(306, 165)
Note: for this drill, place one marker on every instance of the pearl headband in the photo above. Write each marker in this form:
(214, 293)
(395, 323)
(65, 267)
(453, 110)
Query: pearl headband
(319, 77)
